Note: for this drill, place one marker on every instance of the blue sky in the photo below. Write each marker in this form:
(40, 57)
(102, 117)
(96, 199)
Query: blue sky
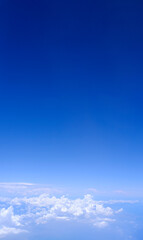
(71, 96)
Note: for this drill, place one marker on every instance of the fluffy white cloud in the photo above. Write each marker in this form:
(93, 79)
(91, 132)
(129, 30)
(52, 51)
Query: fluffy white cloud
(17, 214)
(44, 207)
(7, 217)
(9, 222)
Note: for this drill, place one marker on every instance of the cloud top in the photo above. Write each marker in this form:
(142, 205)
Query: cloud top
(31, 208)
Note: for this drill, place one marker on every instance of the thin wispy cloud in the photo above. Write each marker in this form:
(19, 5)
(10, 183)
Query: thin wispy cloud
(26, 189)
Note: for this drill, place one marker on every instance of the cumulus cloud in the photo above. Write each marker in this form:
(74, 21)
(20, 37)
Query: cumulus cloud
(9, 222)
(20, 212)
(42, 208)
(7, 217)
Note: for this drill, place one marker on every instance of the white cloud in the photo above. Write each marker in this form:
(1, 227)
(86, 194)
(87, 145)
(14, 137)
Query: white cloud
(120, 210)
(9, 222)
(44, 207)
(31, 207)
(7, 217)
(26, 189)
(103, 222)
(10, 230)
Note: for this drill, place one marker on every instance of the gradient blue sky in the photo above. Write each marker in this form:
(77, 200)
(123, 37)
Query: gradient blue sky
(71, 119)
(71, 93)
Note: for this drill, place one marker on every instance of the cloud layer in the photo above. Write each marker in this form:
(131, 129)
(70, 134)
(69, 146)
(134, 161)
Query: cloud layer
(21, 211)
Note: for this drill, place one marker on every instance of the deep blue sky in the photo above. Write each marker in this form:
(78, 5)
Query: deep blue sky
(71, 93)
